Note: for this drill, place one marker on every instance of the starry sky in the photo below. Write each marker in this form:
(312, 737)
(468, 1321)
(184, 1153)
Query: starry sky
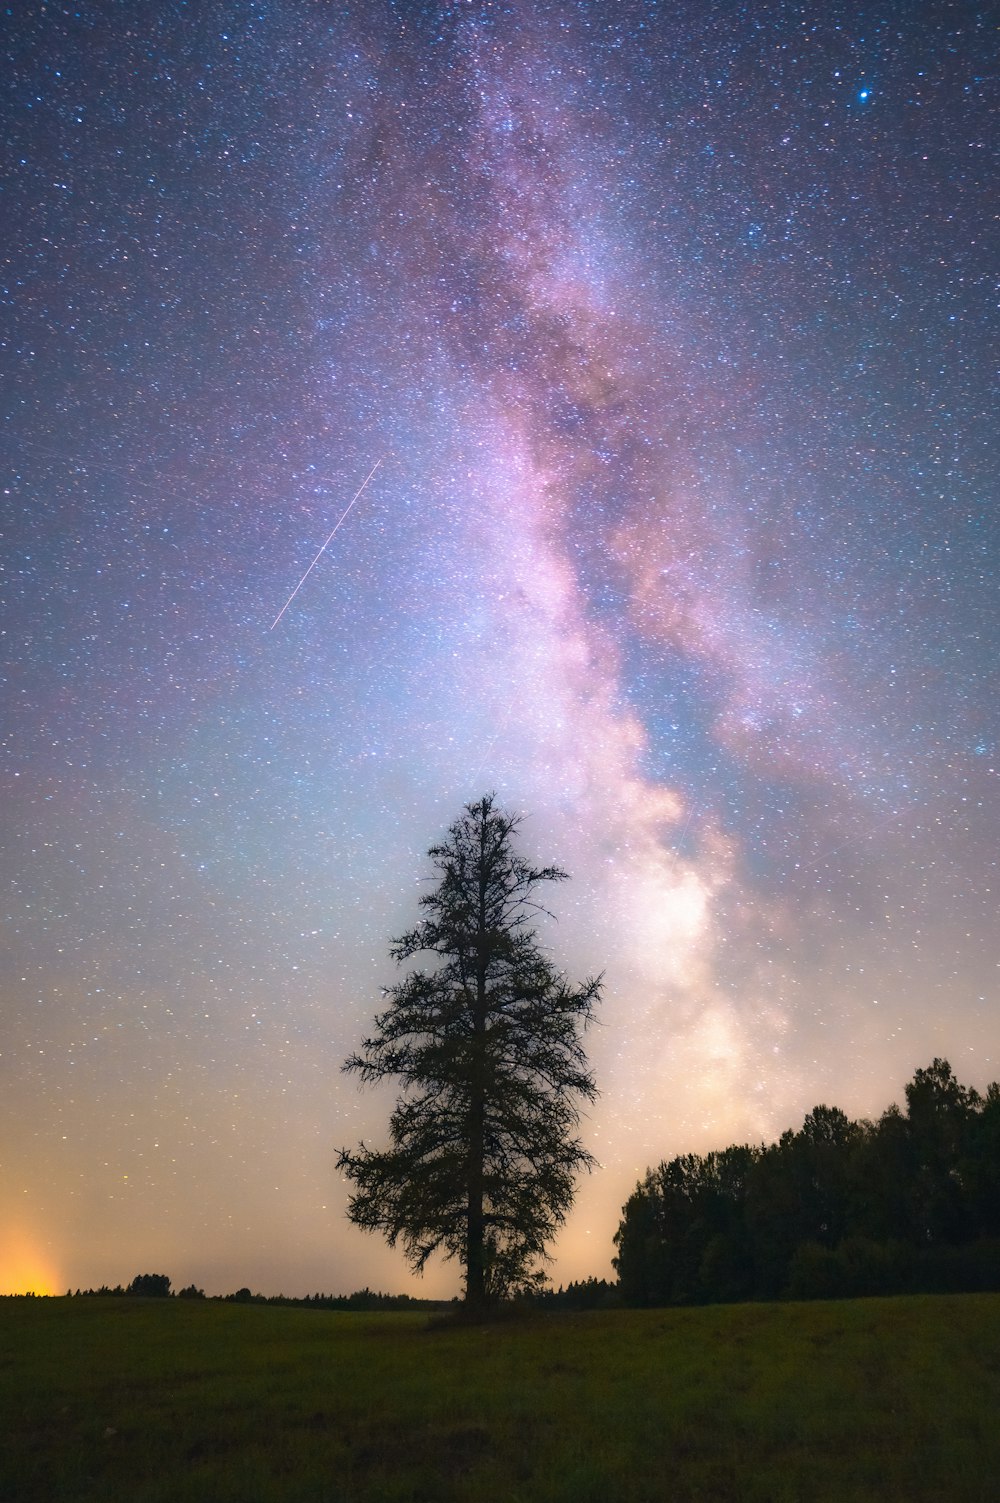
(671, 328)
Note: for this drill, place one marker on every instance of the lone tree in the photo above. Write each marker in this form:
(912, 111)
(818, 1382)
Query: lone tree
(486, 1045)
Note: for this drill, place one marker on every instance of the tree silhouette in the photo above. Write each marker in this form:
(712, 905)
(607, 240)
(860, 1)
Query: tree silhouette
(487, 1048)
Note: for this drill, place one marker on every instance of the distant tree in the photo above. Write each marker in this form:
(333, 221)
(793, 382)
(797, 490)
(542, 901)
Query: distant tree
(884, 1180)
(940, 1114)
(191, 1292)
(643, 1256)
(981, 1166)
(487, 1047)
(150, 1285)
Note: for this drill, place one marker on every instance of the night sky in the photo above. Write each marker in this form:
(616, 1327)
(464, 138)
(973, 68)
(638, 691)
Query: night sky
(672, 328)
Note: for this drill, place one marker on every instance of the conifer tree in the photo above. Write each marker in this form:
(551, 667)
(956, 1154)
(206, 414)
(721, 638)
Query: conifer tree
(486, 1045)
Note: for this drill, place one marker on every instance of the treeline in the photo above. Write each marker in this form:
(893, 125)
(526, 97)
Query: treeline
(582, 1294)
(909, 1203)
(157, 1286)
(585, 1294)
(144, 1285)
(361, 1299)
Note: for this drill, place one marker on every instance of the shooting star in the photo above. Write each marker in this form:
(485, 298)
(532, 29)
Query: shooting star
(340, 521)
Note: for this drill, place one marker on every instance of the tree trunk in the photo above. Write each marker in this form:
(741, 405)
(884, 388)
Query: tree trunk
(475, 1261)
(475, 1245)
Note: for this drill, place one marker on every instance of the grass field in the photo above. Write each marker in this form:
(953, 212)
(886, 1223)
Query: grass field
(165, 1401)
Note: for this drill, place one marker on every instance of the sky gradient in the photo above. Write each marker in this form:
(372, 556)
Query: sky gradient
(672, 329)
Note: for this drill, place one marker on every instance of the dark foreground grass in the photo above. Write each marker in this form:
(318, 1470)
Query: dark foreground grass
(132, 1401)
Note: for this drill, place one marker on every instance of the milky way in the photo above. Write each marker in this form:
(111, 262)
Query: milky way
(672, 331)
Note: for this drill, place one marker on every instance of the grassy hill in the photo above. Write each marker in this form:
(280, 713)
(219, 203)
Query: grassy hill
(150, 1401)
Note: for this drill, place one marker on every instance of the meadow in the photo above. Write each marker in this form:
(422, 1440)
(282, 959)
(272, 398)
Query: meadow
(162, 1401)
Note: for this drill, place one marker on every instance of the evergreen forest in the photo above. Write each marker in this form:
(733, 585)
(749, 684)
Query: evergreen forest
(908, 1203)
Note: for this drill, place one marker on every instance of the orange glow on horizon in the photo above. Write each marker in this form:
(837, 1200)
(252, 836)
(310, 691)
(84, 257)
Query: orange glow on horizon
(25, 1266)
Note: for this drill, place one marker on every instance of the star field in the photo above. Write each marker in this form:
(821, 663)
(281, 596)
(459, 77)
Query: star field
(673, 328)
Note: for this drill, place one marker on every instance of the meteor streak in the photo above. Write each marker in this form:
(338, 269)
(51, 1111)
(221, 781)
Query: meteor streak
(341, 519)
